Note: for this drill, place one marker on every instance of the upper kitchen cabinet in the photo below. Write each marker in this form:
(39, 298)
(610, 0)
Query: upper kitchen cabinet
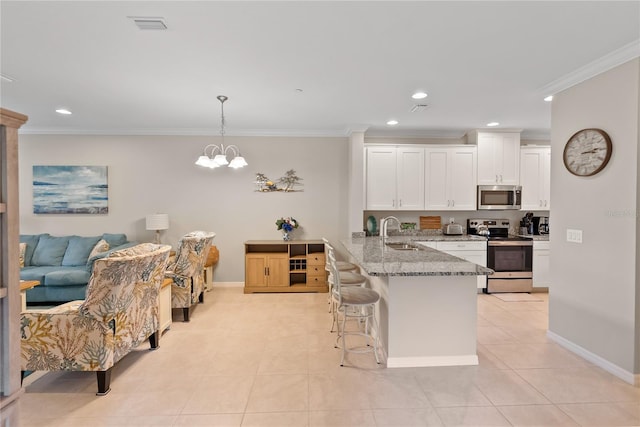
(451, 178)
(395, 178)
(498, 157)
(535, 177)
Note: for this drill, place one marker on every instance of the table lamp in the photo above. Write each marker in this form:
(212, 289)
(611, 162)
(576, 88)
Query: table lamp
(157, 222)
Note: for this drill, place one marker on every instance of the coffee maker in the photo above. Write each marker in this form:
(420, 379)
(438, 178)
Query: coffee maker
(540, 224)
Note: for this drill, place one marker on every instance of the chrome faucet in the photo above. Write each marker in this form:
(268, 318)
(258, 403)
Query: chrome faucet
(384, 225)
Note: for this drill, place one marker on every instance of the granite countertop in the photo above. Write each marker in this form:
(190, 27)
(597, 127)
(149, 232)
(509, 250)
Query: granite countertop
(426, 235)
(377, 259)
(536, 237)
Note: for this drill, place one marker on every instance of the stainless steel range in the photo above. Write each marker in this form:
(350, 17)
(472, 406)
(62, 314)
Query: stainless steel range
(511, 257)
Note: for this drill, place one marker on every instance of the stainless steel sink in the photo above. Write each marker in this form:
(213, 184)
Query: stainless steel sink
(404, 246)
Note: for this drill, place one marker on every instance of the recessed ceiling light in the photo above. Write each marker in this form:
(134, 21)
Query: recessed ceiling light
(492, 124)
(549, 98)
(419, 95)
(392, 122)
(63, 111)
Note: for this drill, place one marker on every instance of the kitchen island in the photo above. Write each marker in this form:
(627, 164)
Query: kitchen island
(427, 312)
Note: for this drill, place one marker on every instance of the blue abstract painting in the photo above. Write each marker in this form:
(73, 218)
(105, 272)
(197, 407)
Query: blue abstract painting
(70, 190)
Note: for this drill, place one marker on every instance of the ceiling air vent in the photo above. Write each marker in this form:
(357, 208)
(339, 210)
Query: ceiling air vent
(419, 107)
(149, 23)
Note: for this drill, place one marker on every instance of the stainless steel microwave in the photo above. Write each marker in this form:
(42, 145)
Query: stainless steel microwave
(499, 197)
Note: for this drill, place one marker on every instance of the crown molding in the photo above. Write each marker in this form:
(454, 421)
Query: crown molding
(592, 69)
(283, 133)
(299, 133)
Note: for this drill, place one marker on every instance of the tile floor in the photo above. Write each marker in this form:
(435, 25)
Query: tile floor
(269, 360)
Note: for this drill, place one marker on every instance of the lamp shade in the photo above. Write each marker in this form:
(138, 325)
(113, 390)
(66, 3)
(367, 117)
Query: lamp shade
(159, 221)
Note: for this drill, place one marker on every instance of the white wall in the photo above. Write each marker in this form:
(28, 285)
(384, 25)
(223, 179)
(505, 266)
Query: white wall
(594, 298)
(150, 174)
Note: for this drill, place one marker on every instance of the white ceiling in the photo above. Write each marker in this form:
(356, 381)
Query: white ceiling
(357, 64)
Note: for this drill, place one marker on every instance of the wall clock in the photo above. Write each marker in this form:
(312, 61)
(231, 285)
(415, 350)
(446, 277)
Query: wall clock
(587, 152)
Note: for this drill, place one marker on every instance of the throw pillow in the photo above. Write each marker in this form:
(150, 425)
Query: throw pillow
(23, 249)
(101, 246)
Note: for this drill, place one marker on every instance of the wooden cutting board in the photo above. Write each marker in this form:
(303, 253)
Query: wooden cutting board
(430, 223)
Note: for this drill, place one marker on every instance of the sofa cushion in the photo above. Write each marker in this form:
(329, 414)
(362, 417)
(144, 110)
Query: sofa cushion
(78, 250)
(50, 250)
(32, 241)
(36, 273)
(115, 239)
(67, 276)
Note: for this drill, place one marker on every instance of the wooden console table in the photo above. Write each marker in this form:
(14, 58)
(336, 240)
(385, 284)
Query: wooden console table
(284, 266)
(25, 285)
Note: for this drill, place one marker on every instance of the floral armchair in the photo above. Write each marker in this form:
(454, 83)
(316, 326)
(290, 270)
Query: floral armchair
(120, 312)
(186, 271)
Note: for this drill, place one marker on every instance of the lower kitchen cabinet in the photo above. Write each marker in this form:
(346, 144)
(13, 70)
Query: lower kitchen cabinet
(541, 275)
(278, 266)
(475, 252)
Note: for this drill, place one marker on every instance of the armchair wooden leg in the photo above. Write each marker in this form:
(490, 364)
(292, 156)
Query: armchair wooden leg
(185, 313)
(154, 340)
(104, 382)
(201, 297)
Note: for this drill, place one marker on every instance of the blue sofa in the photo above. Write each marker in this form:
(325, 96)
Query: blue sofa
(62, 264)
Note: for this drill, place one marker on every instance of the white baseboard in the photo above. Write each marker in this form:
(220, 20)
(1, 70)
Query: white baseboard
(419, 362)
(595, 359)
(228, 284)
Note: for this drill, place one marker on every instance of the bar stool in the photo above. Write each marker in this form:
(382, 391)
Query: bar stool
(342, 265)
(347, 278)
(358, 303)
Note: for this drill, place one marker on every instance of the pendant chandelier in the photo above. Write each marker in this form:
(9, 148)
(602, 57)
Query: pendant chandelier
(214, 156)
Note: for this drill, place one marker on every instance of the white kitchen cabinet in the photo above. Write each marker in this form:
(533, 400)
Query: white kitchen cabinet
(381, 178)
(450, 177)
(395, 178)
(498, 157)
(541, 253)
(472, 251)
(535, 177)
(410, 178)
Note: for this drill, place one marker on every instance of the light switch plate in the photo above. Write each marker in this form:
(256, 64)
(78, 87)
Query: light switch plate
(574, 236)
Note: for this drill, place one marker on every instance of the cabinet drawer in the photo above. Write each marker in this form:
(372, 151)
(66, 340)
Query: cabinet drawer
(541, 245)
(316, 270)
(315, 259)
(316, 280)
(462, 246)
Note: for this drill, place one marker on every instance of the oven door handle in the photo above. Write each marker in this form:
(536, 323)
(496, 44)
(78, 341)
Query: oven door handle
(510, 243)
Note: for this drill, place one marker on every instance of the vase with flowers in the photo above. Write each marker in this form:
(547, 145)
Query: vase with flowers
(287, 225)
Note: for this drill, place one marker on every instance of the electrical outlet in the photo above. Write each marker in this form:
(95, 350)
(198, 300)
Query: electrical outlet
(452, 220)
(574, 236)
